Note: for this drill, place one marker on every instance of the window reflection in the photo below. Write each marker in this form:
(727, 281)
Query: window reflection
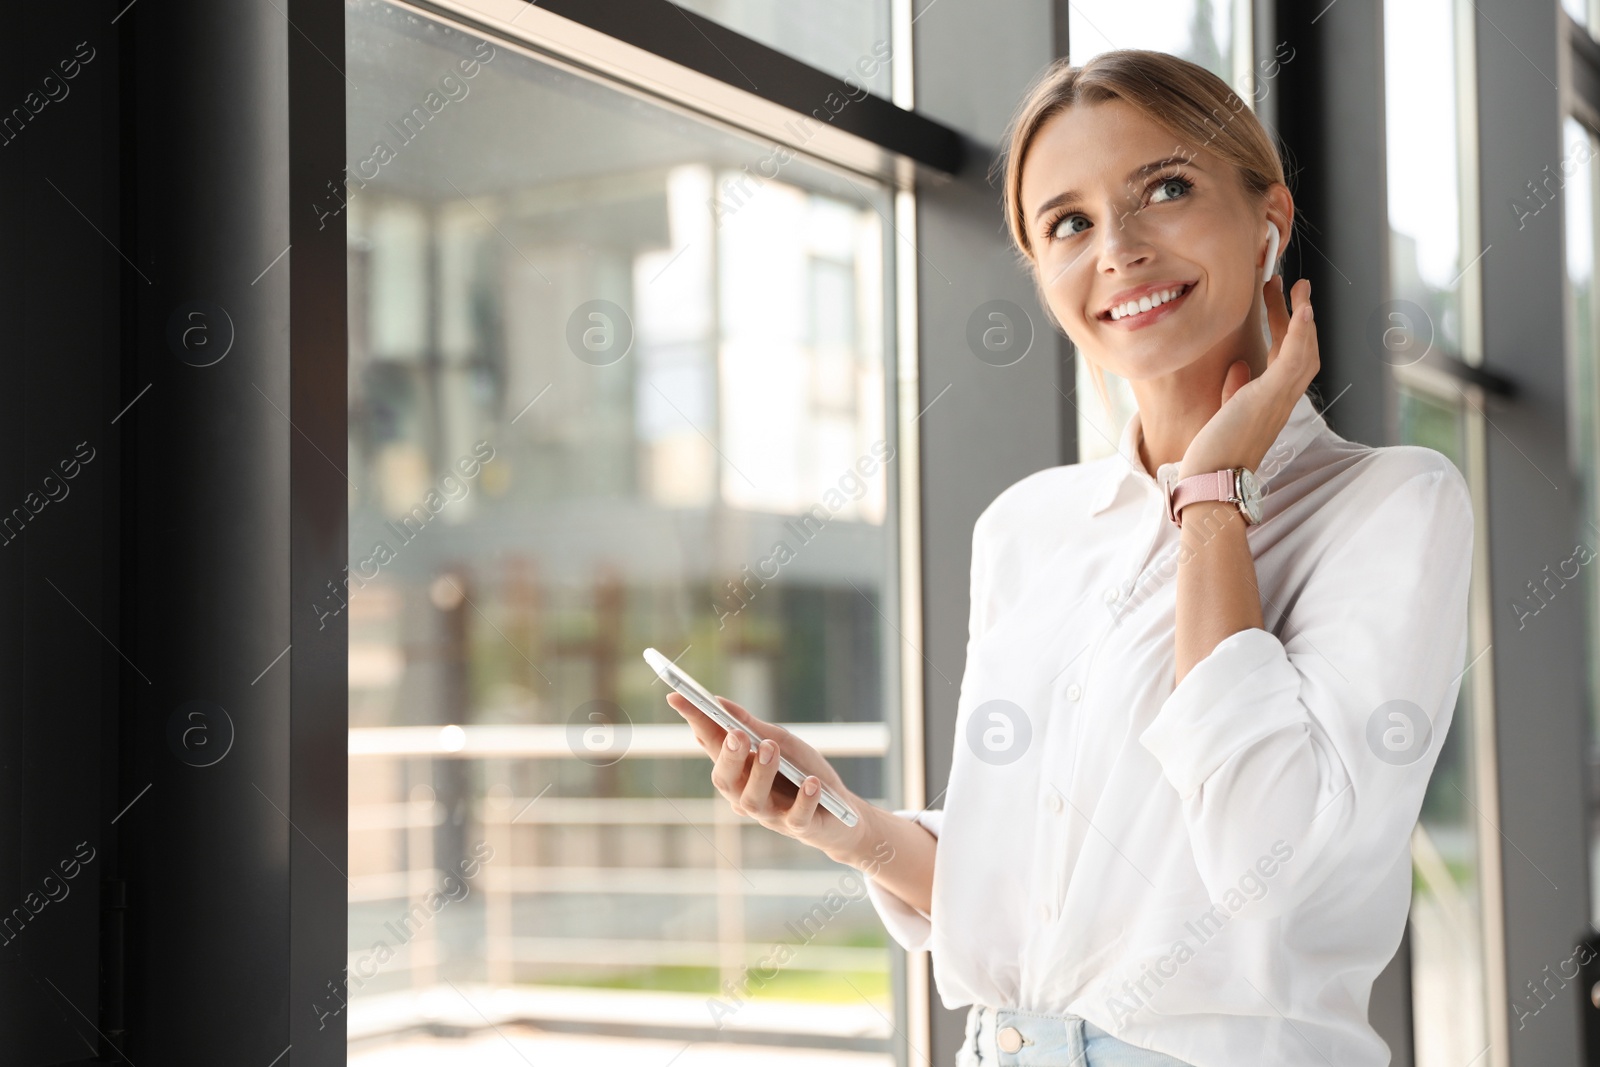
(846, 38)
(1426, 265)
(1447, 963)
(1582, 149)
(595, 383)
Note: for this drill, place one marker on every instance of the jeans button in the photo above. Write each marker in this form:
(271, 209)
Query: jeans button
(1009, 1039)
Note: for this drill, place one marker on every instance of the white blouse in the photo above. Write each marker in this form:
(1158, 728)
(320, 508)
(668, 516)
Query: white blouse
(1216, 871)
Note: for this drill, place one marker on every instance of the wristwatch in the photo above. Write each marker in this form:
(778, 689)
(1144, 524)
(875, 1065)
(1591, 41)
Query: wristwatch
(1236, 485)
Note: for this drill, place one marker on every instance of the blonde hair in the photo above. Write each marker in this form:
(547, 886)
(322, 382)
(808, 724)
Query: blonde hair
(1183, 98)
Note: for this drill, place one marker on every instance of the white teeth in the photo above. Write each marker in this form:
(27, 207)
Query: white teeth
(1144, 303)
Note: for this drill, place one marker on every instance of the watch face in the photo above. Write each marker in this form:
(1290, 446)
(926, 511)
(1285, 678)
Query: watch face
(1250, 494)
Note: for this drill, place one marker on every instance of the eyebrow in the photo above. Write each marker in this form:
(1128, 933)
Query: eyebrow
(1072, 197)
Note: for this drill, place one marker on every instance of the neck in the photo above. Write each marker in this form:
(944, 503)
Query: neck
(1174, 407)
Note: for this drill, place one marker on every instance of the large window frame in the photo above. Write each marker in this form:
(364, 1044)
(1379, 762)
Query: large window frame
(683, 63)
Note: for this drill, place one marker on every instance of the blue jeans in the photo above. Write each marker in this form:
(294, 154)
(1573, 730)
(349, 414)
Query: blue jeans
(1047, 1041)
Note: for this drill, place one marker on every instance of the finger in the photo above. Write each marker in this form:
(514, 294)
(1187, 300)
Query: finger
(1277, 314)
(757, 796)
(1302, 333)
(738, 711)
(728, 772)
(760, 726)
(1296, 360)
(804, 808)
(706, 733)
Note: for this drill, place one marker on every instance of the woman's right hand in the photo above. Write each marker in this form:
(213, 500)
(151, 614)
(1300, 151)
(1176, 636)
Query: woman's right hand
(757, 790)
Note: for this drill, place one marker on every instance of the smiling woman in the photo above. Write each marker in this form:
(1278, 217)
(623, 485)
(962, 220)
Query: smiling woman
(1202, 800)
(1185, 165)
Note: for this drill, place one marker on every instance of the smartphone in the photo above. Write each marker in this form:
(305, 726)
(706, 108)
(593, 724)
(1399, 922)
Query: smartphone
(701, 698)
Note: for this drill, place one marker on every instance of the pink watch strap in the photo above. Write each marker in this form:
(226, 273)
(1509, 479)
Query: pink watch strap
(1217, 485)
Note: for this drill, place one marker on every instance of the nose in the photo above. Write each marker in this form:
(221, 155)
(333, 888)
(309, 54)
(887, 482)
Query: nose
(1122, 242)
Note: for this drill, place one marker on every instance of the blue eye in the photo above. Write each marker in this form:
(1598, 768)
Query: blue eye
(1183, 184)
(1056, 226)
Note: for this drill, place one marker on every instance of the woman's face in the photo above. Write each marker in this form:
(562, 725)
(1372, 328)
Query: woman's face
(1115, 211)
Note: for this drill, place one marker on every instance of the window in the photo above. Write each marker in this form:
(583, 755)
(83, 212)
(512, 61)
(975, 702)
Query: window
(1581, 147)
(1433, 248)
(607, 391)
(846, 38)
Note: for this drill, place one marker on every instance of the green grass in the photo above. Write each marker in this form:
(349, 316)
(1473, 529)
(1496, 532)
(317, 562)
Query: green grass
(822, 987)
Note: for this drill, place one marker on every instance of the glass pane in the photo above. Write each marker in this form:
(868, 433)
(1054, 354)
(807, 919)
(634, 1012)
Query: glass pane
(849, 39)
(1200, 31)
(1425, 256)
(1581, 150)
(1447, 979)
(1450, 1020)
(605, 394)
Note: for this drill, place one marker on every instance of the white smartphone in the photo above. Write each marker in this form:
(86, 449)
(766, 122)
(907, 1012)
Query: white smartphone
(701, 698)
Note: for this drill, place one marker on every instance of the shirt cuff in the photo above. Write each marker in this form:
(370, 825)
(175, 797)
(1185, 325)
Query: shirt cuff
(1245, 690)
(911, 927)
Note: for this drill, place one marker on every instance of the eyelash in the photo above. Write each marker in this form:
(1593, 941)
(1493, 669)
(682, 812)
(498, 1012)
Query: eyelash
(1055, 220)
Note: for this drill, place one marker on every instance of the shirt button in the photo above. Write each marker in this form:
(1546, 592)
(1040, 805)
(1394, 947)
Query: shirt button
(1044, 913)
(1073, 692)
(1009, 1039)
(1111, 595)
(1055, 803)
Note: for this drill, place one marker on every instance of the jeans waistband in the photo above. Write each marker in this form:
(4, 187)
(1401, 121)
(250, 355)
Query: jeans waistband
(1000, 1037)
(1011, 1038)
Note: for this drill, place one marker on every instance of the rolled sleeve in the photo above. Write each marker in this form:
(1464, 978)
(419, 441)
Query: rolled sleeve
(1243, 692)
(1277, 746)
(911, 927)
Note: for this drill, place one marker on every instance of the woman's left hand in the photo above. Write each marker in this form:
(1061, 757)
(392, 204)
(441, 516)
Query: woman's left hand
(1254, 412)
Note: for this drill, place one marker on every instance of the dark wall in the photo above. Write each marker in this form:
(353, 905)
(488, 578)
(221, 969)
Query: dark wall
(58, 392)
(1534, 520)
(986, 424)
(189, 375)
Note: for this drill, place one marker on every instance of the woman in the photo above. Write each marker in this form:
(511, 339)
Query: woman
(1191, 749)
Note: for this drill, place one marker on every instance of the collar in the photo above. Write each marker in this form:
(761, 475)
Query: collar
(1293, 436)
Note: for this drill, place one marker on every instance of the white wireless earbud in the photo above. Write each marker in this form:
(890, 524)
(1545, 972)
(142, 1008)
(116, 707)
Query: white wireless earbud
(1273, 239)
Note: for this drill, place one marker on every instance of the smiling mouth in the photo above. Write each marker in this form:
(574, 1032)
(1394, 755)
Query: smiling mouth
(1134, 310)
